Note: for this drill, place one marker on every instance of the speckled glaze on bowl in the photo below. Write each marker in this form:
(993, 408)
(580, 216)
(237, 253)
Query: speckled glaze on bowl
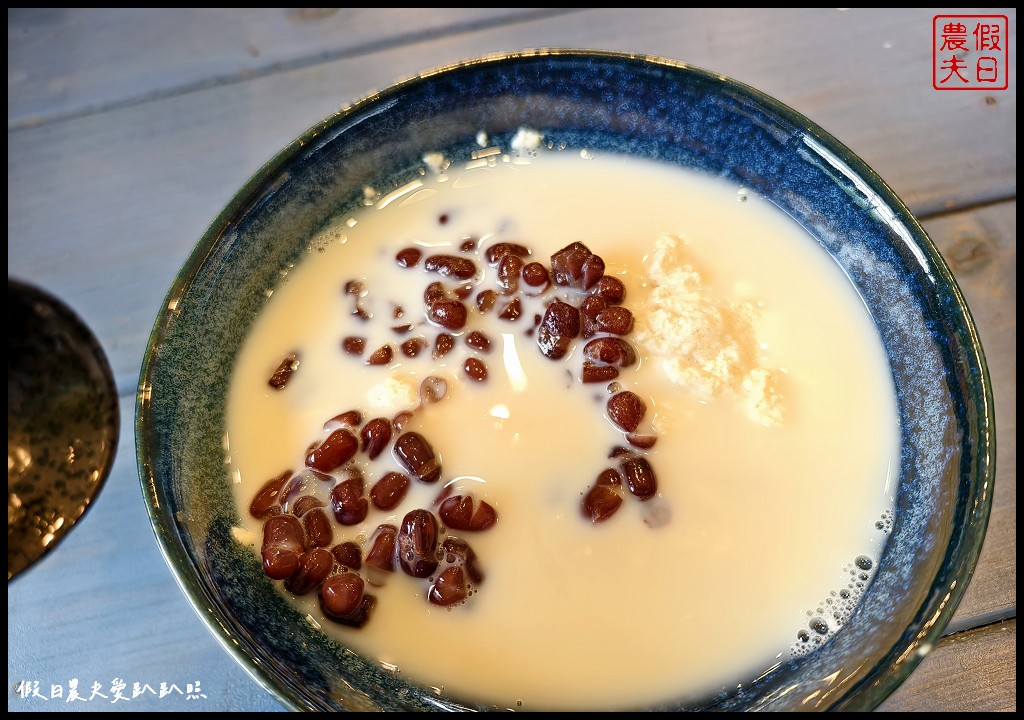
(649, 107)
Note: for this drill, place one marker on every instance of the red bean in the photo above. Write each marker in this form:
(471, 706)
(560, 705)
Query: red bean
(338, 448)
(293, 485)
(433, 389)
(306, 503)
(604, 497)
(626, 409)
(485, 300)
(589, 309)
(567, 264)
(451, 266)
(536, 276)
(577, 267)
(616, 320)
(382, 548)
(593, 271)
(341, 595)
(267, 499)
(598, 373)
(387, 492)
(434, 292)
(381, 356)
(642, 440)
(417, 456)
(478, 341)
(640, 478)
(559, 327)
(353, 345)
(610, 351)
(375, 436)
(497, 251)
(611, 289)
(361, 313)
(360, 616)
(413, 346)
(449, 314)
(509, 269)
(318, 528)
(457, 513)
(456, 551)
(591, 305)
(351, 418)
(283, 544)
(348, 503)
(468, 245)
(475, 369)
(446, 491)
(314, 566)
(449, 588)
(512, 311)
(409, 257)
(348, 555)
(416, 543)
(400, 420)
(284, 372)
(443, 345)
(621, 452)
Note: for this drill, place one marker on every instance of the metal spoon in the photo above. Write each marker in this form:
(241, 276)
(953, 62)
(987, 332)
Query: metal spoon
(62, 422)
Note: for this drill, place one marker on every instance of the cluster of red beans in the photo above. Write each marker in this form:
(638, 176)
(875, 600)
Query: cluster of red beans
(580, 302)
(298, 536)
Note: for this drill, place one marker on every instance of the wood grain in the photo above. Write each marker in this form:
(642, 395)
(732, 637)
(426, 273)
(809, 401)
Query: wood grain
(981, 249)
(136, 186)
(66, 62)
(974, 671)
(873, 92)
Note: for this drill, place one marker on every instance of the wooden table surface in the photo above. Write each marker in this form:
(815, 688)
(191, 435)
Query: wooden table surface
(129, 129)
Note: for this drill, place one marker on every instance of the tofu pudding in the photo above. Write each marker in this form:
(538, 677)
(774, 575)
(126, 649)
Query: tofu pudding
(563, 430)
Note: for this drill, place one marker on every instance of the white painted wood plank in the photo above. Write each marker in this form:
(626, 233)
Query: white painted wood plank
(864, 74)
(69, 61)
(103, 209)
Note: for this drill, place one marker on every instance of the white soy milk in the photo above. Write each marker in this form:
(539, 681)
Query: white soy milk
(752, 539)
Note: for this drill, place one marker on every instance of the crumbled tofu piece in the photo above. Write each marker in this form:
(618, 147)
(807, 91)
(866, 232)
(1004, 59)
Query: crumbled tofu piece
(394, 394)
(527, 141)
(436, 162)
(706, 343)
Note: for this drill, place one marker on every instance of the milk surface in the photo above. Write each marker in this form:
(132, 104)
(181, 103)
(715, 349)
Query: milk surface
(748, 553)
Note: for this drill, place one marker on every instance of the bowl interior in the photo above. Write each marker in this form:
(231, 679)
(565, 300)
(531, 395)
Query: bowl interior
(646, 107)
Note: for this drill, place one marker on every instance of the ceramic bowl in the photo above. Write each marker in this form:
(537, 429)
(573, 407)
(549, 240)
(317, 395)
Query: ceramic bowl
(644, 106)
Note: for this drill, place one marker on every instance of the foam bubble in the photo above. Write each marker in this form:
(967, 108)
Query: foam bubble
(822, 624)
